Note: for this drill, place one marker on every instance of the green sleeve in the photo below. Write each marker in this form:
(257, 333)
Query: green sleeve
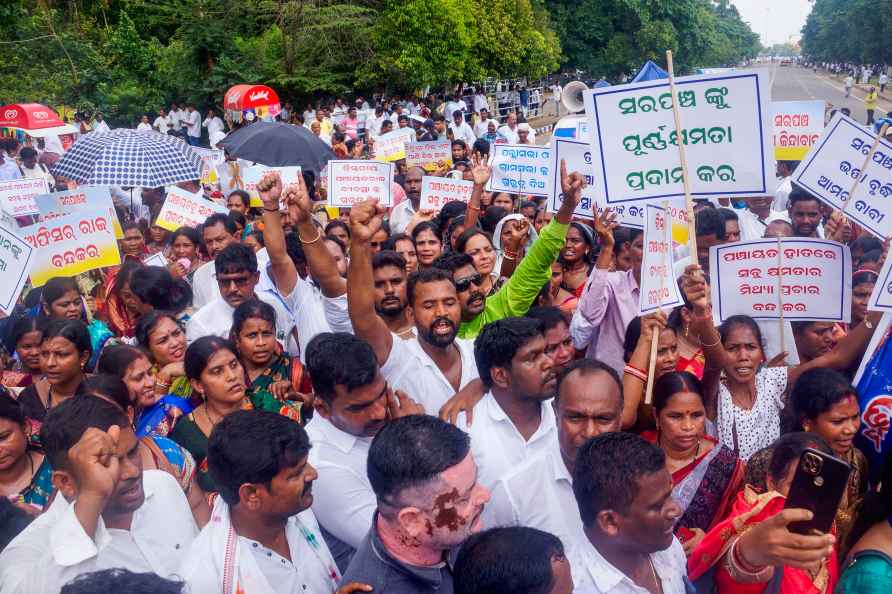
(517, 294)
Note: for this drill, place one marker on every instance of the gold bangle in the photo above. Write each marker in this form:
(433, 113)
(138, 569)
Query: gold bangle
(706, 346)
(305, 242)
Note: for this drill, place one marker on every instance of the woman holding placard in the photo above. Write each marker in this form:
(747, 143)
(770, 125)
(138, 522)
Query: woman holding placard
(744, 396)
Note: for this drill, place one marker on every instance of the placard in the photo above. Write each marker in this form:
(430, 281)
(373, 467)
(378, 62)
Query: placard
(15, 265)
(57, 204)
(725, 129)
(71, 244)
(185, 209)
(210, 158)
(156, 259)
(251, 176)
(520, 169)
(351, 182)
(437, 191)
(834, 164)
(815, 280)
(797, 127)
(881, 298)
(17, 196)
(392, 146)
(659, 288)
(429, 154)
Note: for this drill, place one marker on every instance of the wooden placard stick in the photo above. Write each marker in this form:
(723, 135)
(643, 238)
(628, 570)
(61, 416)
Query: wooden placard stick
(780, 299)
(688, 199)
(873, 149)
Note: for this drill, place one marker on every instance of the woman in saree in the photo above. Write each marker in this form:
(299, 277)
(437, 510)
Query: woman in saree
(217, 376)
(636, 347)
(269, 372)
(164, 339)
(185, 244)
(154, 288)
(25, 474)
(737, 556)
(705, 474)
(24, 339)
(120, 308)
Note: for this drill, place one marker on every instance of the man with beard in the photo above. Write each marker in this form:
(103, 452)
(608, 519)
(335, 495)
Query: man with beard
(516, 296)
(429, 502)
(353, 402)
(512, 423)
(262, 536)
(587, 403)
(624, 494)
(389, 273)
(432, 367)
(402, 213)
(805, 213)
(107, 512)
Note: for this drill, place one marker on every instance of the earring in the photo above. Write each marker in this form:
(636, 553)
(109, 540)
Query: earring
(687, 328)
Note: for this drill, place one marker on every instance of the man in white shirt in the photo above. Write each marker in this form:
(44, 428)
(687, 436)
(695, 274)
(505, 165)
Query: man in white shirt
(373, 123)
(353, 402)
(461, 130)
(162, 123)
(509, 130)
(31, 169)
(432, 367)
(262, 536)
(215, 126)
(588, 402)
(217, 232)
(556, 92)
(513, 422)
(523, 134)
(849, 83)
(193, 125)
(175, 115)
(144, 125)
(402, 213)
(107, 512)
(453, 105)
(236, 276)
(481, 103)
(624, 494)
(9, 170)
(785, 171)
(99, 125)
(482, 126)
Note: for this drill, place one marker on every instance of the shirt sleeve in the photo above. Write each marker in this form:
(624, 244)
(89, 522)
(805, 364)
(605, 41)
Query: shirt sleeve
(195, 330)
(344, 503)
(500, 510)
(337, 314)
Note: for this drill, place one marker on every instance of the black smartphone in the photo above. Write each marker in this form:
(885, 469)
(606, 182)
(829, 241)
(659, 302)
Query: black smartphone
(818, 486)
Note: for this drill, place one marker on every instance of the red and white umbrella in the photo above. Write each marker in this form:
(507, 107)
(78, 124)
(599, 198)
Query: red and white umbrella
(251, 102)
(38, 121)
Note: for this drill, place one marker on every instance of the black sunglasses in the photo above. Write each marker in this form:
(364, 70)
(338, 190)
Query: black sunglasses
(463, 284)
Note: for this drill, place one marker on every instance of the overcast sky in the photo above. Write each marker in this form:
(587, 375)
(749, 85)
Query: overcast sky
(775, 21)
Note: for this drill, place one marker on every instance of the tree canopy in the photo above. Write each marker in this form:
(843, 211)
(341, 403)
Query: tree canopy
(849, 31)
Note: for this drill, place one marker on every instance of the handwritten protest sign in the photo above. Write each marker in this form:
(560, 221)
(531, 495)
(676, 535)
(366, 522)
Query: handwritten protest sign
(881, 298)
(815, 280)
(252, 175)
(185, 209)
(210, 158)
(797, 127)
(437, 191)
(428, 154)
(72, 244)
(17, 196)
(725, 132)
(392, 146)
(15, 265)
(834, 165)
(58, 204)
(351, 182)
(520, 169)
(658, 286)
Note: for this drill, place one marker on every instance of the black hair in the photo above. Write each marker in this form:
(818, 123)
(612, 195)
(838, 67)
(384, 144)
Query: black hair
(499, 341)
(238, 218)
(55, 289)
(816, 391)
(741, 321)
(410, 452)
(388, 258)
(864, 277)
(621, 236)
(74, 331)
(709, 222)
(426, 226)
(790, 165)
(875, 507)
(452, 261)
(109, 386)
(789, 448)
(463, 239)
(459, 141)
(251, 308)
(871, 256)
(218, 218)
(451, 210)
(122, 580)
(155, 286)
(235, 258)
(422, 277)
(67, 422)
(549, 316)
(11, 410)
(117, 358)
(27, 153)
(673, 383)
(243, 195)
(507, 560)
(339, 359)
(253, 446)
(147, 323)
(18, 327)
(866, 243)
(128, 225)
(800, 194)
(200, 352)
(607, 471)
(727, 214)
(341, 245)
(589, 239)
(491, 218)
(587, 366)
(438, 117)
(125, 273)
(391, 242)
(13, 520)
(633, 335)
(528, 204)
(337, 224)
(481, 145)
(189, 233)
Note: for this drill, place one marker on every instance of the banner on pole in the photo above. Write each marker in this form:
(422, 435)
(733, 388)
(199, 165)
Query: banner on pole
(252, 176)
(17, 196)
(57, 204)
(659, 288)
(429, 154)
(437, 191)
(15, 264)
(392, 146)
(352, 182)
(726, 135)
(797, 127)
(520, 169)
(185, 209)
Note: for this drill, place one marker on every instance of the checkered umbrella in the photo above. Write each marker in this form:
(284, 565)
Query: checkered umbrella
(125, 157)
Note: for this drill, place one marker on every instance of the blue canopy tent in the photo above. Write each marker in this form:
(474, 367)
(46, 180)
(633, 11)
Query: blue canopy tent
(650, 71)
(601, 83)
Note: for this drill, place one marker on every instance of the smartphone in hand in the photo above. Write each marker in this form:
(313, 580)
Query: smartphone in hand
(818, 486)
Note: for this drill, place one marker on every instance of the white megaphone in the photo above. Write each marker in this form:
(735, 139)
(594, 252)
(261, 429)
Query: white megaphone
(571, 98)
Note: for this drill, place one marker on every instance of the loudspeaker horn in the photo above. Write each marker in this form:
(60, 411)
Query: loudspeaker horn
(572, 96)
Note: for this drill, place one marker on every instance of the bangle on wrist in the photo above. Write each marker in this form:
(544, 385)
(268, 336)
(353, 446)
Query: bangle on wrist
(741, 571)
(706, 346)
(635, 372)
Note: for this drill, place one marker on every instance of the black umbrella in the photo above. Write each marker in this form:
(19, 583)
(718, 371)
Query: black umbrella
(277, 144)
